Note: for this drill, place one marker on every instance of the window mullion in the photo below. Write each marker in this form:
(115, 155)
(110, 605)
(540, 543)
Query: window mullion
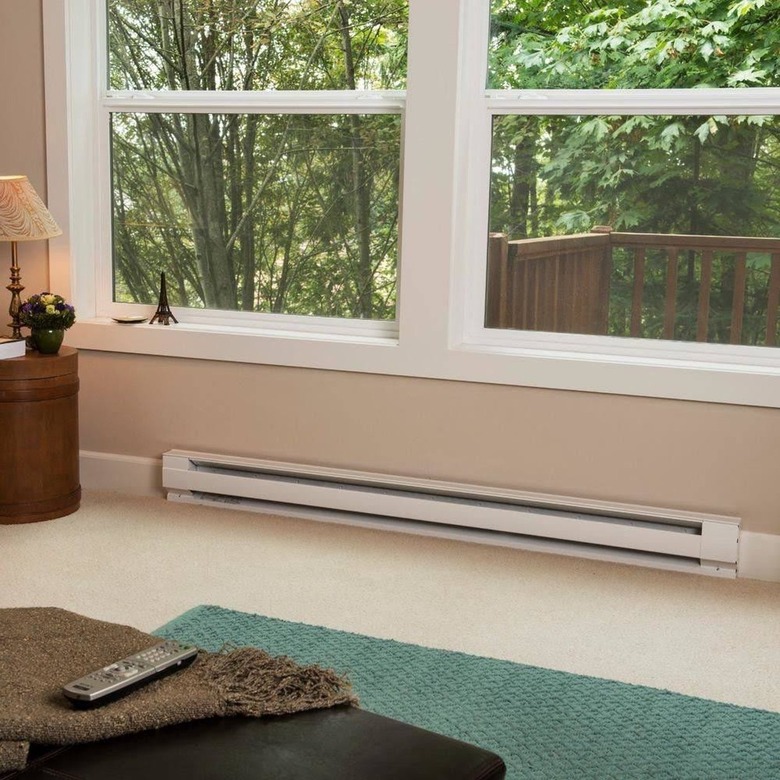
(428, 186)
(473, 157)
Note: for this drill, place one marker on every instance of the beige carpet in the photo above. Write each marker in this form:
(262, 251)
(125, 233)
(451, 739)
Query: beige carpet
(142, 561)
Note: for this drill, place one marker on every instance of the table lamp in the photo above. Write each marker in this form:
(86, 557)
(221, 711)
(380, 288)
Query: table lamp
(23, 217)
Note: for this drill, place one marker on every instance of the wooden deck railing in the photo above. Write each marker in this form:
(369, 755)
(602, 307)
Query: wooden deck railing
(562, 284)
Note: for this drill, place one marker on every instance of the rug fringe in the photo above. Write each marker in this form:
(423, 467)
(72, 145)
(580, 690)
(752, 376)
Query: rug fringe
(253, 683)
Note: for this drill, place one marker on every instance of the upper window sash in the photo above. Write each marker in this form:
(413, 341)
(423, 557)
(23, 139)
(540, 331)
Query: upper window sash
(260, 45)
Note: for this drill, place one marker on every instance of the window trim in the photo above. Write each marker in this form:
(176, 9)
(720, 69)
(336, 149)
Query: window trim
(438, 269)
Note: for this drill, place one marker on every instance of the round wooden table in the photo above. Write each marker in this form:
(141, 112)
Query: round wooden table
(39, 437)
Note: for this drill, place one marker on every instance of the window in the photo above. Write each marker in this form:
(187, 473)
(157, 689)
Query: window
(291, 209)
(309, 212)
(641, 223)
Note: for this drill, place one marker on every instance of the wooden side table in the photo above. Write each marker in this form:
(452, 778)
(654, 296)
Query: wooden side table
(39, 437)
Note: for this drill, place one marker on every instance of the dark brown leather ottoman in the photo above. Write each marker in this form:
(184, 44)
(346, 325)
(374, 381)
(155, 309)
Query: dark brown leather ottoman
(343, 743)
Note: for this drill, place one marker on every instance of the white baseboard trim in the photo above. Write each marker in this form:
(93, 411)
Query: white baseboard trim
(759, 556)
(122, 473)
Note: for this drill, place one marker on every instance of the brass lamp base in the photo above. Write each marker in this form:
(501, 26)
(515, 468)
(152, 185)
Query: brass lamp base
(15, 288)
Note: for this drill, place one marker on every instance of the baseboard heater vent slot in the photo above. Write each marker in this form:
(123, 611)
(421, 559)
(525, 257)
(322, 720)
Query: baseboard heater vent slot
(649, 536)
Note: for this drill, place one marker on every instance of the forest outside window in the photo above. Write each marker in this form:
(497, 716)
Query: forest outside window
(290, 204)
(640, 222)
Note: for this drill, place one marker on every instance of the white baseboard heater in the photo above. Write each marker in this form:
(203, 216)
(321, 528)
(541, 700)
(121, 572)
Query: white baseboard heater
(662, 538)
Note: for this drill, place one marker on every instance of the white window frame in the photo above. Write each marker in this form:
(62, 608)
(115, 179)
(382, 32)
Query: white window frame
(445, 186)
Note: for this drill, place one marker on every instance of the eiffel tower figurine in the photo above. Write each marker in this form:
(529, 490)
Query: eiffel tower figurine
(163, 315)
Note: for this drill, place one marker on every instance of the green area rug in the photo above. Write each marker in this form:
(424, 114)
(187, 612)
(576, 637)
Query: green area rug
(543, 723)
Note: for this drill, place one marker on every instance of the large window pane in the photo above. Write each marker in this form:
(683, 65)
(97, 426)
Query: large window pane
(686, 213)
(294, 214)
(257, 44)
(640, 44)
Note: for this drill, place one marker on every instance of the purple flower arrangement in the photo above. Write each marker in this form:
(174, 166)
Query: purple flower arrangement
(47, 311)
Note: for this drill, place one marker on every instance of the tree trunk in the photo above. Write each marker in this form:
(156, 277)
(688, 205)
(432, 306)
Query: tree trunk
(248, 244)
(523, 177)
(360, 181)
(203, 188)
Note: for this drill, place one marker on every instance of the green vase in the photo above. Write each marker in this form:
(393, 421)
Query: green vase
(48, 340)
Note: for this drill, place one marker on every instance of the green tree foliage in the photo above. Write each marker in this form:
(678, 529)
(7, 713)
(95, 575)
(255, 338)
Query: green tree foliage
(287, 213)
(641, 44)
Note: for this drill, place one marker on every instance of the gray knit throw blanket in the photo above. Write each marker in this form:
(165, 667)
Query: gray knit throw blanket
(42, 649)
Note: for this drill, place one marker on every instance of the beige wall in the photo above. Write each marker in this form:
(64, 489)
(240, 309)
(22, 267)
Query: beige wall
(22, 129)
(685, 455)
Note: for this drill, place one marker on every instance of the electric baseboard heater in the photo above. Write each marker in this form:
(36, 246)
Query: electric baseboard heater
(648, 536)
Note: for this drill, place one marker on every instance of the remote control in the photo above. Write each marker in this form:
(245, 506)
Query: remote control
(121, 677)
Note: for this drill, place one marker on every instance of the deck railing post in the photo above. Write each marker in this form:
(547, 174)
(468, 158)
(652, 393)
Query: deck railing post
(738, 300)
(635, 329)
(670, 303)
(601, 327)
(773, 301)
(498, 282)
(705, 291)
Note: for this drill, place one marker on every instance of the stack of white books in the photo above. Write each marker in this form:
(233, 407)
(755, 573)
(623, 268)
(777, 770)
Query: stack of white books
(11, 348)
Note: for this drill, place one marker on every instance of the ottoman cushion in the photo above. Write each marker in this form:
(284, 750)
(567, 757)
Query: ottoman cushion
(341, 743)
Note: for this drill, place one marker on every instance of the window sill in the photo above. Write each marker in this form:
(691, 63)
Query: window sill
(647, 377)
(232, 343)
